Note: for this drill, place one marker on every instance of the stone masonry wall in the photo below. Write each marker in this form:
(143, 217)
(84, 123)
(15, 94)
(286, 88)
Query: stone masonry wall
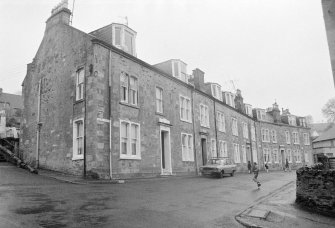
(316, 190)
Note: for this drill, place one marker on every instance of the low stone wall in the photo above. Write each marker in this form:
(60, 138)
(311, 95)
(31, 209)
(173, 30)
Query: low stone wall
(316, 190)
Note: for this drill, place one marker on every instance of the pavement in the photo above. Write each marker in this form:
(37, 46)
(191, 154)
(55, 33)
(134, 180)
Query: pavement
(278, 209)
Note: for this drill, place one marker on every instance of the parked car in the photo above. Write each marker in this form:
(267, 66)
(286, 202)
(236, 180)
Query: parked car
(218, 167)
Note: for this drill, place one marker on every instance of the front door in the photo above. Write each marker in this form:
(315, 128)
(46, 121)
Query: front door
(165, 151)
(204, 151)
(282, 152)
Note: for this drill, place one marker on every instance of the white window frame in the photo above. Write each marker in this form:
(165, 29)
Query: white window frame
(133, 91)
(181, 75)
(288, 137)
(265, 135)
(221, 122)
(237, 155)
(274, 136)
(122, 45)
(245, 130)
(129, 140)
(185, 108)
(213, 148)
(260, 114)
(244, 154)
(216, 91)
(254, 152)
(298, 156)
(80, 79)
(159, 99)
(306, 139)
(230, 99)
(204, 115)
(275, 155)
(248, 109)
(187, 147)
(223, 151)
(234, 126)
(295, 135)
(267, 155)
(75, 155)
(126, 86)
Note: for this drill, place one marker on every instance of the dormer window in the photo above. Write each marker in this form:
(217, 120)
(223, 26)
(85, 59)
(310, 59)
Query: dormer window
(179, 70)
(216, 91)
(248, 109)
(261, 114)
(230, 99)
(124, 38)
(292, 120)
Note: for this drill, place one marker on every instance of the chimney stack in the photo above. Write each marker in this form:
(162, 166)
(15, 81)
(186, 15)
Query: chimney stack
(60, 14)
(199, 79)
(239, 101)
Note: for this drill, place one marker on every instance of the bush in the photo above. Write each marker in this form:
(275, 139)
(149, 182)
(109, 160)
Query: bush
(318, 166)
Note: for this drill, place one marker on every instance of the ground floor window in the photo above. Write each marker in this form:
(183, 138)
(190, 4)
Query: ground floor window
(237, 155)
(298, 156)
(275, 156)
(187, 147)
(306, 156)
(213, 148)
(267, 155)
(244, 154)
(254, 152)
(78, 139)
(223, 152)
(129, 140)
(289, 155)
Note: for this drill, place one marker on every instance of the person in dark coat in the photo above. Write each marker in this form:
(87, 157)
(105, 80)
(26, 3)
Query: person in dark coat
(256, 170)
(266, 167)
(286, 165)
(249, 166)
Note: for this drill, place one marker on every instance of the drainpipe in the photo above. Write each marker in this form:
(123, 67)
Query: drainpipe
(110, 113)
(38, 124)
(194, 150)
(216, 133)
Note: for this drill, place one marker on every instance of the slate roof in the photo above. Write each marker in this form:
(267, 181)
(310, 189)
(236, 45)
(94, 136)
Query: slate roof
(14, 100)
(327, 135)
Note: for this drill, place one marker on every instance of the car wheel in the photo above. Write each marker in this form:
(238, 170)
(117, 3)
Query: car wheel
(221, 174)
(232, 173)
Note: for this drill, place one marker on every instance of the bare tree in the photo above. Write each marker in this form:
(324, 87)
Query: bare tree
(329, 110)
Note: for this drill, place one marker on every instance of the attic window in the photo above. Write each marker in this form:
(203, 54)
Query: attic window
(117, 36)
(124, 38)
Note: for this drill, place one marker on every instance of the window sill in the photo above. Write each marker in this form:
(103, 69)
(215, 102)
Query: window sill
(205, 126)
(159, 114)
(129, 105)
(77, 158)
(123, 157)
(186, 121)
(78, 101)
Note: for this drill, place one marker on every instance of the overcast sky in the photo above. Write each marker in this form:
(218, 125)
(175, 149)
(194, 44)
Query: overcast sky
(273, 50)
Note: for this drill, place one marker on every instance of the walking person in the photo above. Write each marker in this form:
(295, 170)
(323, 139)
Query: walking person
(249, 166)
(266, 167)
(256, 170)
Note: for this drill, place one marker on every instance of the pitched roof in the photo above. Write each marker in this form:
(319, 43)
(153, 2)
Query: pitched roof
(14, 100)
(327, 135)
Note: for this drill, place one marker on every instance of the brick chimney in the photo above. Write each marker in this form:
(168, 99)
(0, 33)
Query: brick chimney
(60, 14)
(199, 79)
(276, 113)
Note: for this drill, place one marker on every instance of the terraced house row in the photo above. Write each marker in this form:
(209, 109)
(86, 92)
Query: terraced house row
(92, 107)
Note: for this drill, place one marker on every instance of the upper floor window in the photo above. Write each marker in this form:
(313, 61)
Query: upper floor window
(159, 100)
(234, 126)
(204, 115)
(265, 135)
(129, 89)
(185, 109)
(302, 122)
(274, 136)
(129, 140)
(80, 84)
(221, 122)
(124, 38)
(287, 136)
(187, 147)
(223, 151)
(230, 99)
(295, 137)
(245, 130)
(179, 70)
(216, 91)
(253, 133)
(261, 114)
(213, 148)
(306, 139)
(78, 139)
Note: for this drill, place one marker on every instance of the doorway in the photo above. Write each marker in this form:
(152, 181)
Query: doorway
(282, 152)
(204, 151)
(166, 167)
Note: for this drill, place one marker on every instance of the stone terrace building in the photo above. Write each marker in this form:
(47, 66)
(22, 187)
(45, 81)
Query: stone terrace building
(92, 107)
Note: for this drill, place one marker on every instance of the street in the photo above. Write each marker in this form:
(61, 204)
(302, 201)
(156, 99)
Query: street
(29, 200)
